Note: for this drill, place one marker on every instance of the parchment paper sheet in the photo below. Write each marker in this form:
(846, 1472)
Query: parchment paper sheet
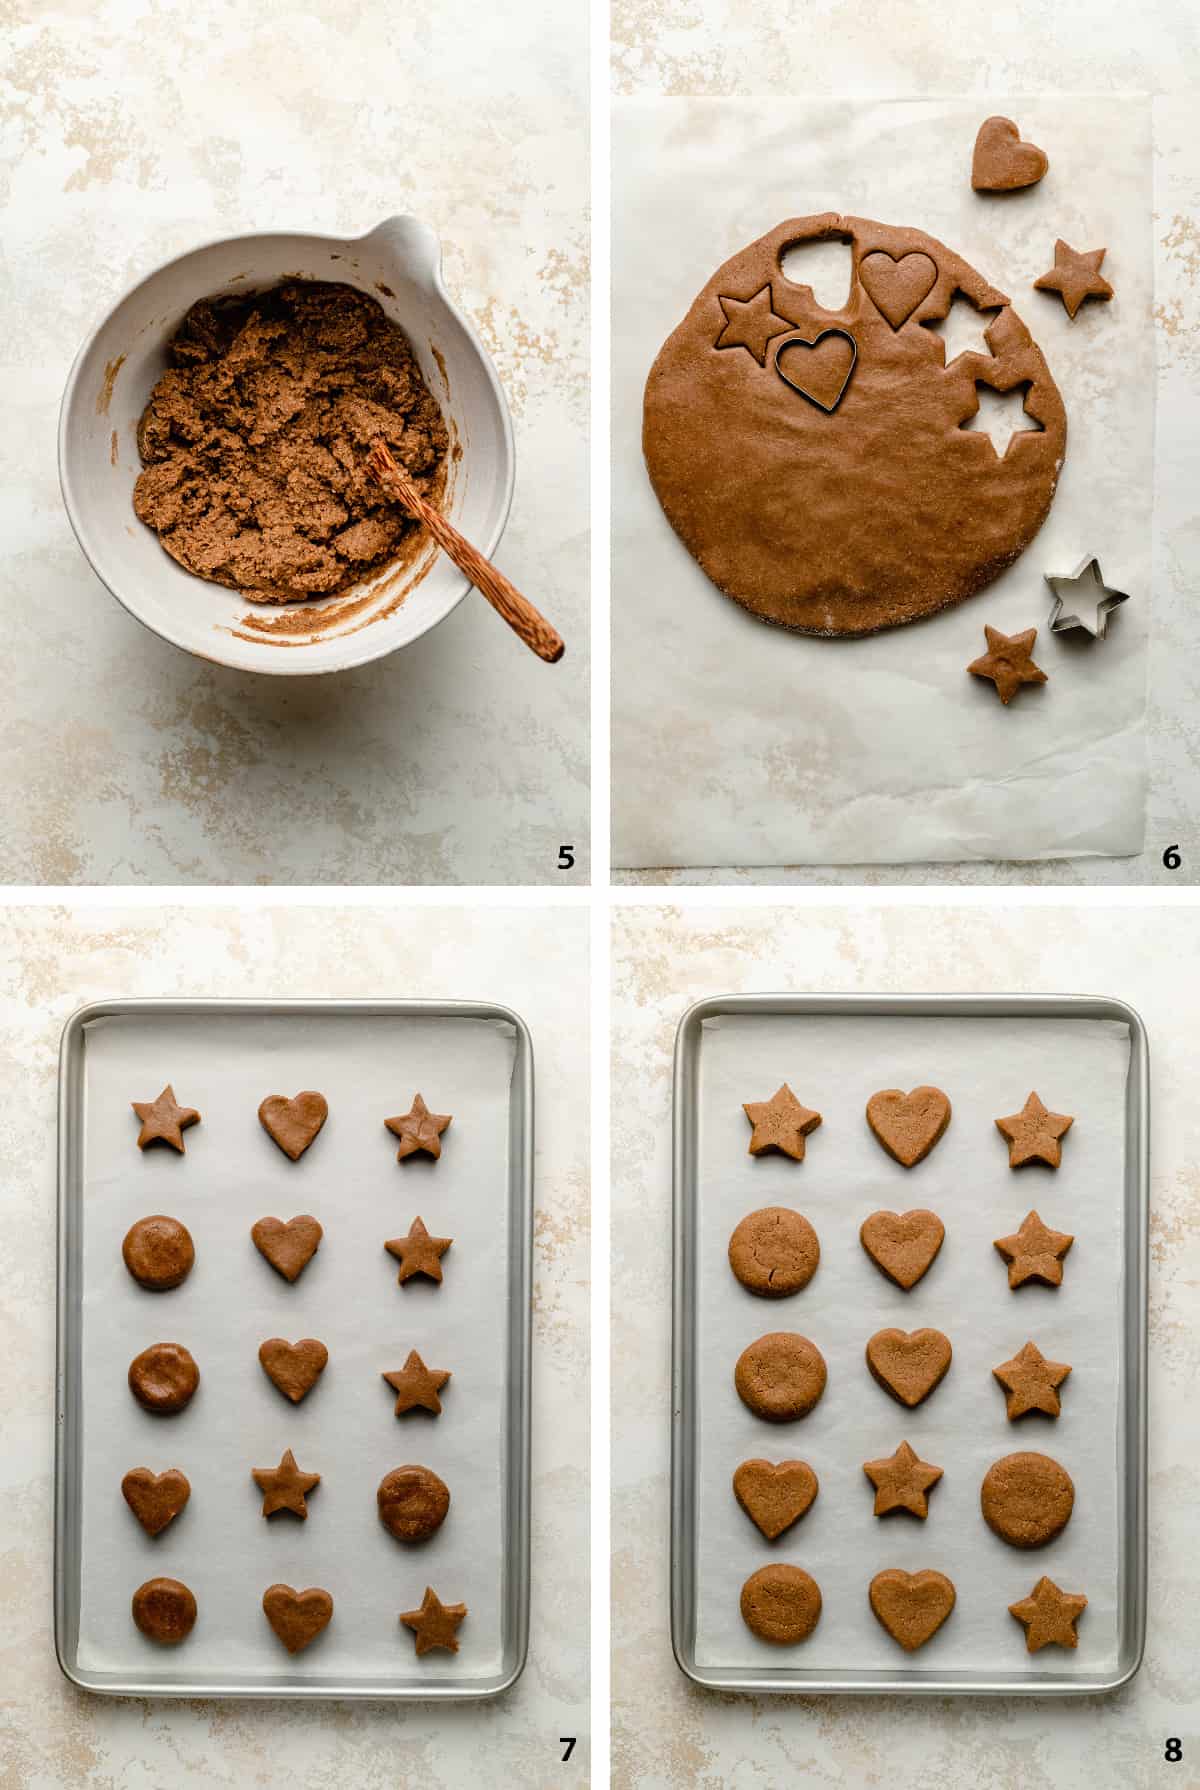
(987, 1067)
(348, 1297)
(735, 743)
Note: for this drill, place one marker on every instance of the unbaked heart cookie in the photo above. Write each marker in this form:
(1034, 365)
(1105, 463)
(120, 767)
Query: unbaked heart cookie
(294, 1367)
(293, 1124)
(774, 1496)
(288, 1247)
(912, 1606)
(865, 503)
(909, 1364)
(297, 1616)
(1002, 163)
(902, 1244)
(908, 1125)
(155, 1499)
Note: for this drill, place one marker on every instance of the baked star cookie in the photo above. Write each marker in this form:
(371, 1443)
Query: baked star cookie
(815, 461)
(902, 1482)
(1031, 1382)
(1049, 1615)
(1034, 1252)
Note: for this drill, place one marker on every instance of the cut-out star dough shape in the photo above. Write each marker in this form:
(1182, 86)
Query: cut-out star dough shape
(901, 1482)
(1075, 276)
(418, 1130)
(1049, 1615)
(1008, 662)
(435, 1624)
(417, 1385)
(751, 323)
(1086, 591)
(1031, 1382)
(780, 1123)
(1035, 1252)
(419, 1253)
(1033, 1134)
(284, 1487)
(164, 1121)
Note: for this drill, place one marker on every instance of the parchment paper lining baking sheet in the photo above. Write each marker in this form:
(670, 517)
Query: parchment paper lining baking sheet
(987, 1067)
(735, 743)
(348, 1297)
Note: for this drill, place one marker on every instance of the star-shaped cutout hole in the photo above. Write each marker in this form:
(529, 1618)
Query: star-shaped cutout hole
(1035, 1252)
(1033, 1134)
(1049, 1615)
(780, 1123)
(901, 1482)
(751, 323)
(419, 1253)
(284, 1487)
(1075, 276)
(164, 1121)
(417, 1386)
(1031, 1382)
(1083, 601)
(1001, 416)
(961, 330)
(418, 1129)
(1008, 663)
(435, 1624)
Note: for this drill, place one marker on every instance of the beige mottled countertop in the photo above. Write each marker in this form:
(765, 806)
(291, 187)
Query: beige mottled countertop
(53, 959)
(667, 1734)
(132, 132)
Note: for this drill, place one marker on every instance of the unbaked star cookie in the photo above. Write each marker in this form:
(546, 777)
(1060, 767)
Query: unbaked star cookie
(419, 1130)
(1035, 1252)
(1008, 662)
(1033, 1134)
(435, 1624)
(902, 1481)
(284, 1487)
(1031, 1382)
(780, 1123)
(419, 1253)
(416, 1385)
(1075, 276)
(164, 1121)
(1049, 1615)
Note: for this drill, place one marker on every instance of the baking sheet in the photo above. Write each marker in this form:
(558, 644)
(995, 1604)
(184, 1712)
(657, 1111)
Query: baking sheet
(987, 1067)
(368, 1066)
(735, 743)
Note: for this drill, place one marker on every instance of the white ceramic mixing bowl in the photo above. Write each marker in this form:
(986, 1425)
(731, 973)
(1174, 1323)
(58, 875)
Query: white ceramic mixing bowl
(398, 263)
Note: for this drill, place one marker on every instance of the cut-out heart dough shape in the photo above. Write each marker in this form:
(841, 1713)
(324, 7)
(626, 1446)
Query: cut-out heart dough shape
(155, 1499)
(912, 1606)
(1002, 163)
(288, 1247)
(774, 1496)
(819, 370)
(908, 1125)
(297, 1616)
(293, 1124)
(909, 1364)
(897, 286)
(294, 1367)
(903, 1244)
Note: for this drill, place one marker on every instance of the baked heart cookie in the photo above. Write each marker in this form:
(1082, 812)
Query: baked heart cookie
(909, 1364)
(908, 1125)
(912, 1606)
(815, 462)
(774, 1495)
(902, 1245)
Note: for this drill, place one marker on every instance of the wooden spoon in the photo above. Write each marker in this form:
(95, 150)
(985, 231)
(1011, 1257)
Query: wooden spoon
(504, 597)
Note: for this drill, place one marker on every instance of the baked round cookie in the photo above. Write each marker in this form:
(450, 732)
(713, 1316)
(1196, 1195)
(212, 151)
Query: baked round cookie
(774, 1252)
(158, 1252)
(781, 1376)
(413, 1502)
(163, 1377)
(1027, 1499)
(815, 462)
(781, 1603)
(164, 1610)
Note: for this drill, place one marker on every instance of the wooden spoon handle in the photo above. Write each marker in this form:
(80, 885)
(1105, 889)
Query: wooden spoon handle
(501, 593)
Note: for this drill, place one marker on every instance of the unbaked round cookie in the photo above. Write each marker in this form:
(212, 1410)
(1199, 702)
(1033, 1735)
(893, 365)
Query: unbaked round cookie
(781, 1376)
(163, 1377)
(164, 1610)
(774, 1252)
(814, 461)
(1027, 1499)
(781, 1603)
(158, 1252)
(413, 1502)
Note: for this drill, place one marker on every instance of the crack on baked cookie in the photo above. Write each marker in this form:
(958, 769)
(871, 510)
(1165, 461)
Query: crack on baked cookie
(997, 415)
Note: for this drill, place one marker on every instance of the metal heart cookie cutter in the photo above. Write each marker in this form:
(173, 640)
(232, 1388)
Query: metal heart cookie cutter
(1085, 589)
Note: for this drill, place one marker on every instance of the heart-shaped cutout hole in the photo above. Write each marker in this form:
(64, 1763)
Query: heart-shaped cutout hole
(297, 1616)
(819, 370)
(912, 1606)
(293, 1124)
(774, 1496)
(896, 285)
(909, 1364)
(155, 1499)
(288, 1247)
(903, 1244)
(908, 1125)
(294, 1367)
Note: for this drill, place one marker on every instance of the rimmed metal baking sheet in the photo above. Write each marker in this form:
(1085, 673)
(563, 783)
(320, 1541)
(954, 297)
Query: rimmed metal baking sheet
(471, 1058)
(701, 1177)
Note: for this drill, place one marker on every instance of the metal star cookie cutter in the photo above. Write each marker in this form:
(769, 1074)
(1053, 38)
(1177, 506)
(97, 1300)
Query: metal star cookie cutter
(1093, 591)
